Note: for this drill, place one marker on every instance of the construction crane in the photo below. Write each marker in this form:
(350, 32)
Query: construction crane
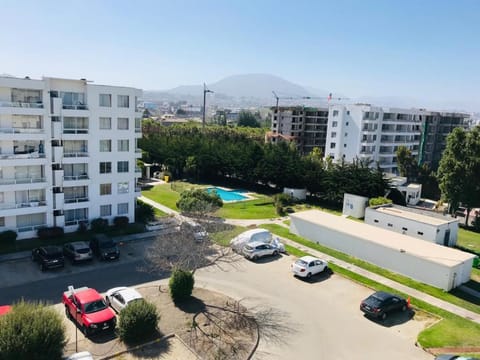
(328, 98)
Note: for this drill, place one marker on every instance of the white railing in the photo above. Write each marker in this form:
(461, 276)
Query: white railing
(75, 154)
(75, 200)
(22, 181)
(30, 228)
(75, 107)
(75, 177)
(75, 131)
(22, 130)
(38, 105)
(32, 155)
(32, 203)
(75, 222)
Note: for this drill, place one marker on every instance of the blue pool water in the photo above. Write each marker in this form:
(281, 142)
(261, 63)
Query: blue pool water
(231, 195)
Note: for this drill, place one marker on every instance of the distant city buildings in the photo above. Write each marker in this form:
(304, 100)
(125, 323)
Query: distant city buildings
(366, 132)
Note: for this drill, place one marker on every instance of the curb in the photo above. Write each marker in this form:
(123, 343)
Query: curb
(112, 356)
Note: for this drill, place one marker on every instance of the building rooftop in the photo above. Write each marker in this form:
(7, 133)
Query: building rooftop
(403, 212)
(402, 243)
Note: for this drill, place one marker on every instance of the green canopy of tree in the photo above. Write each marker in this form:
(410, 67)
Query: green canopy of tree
(199, 201)
(247, 119)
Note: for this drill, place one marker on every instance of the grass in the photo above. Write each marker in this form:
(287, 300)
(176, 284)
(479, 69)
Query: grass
(284, 232)
(469, 240)
(163, 194)
(260, 208)
(223, 237)
(159, 213)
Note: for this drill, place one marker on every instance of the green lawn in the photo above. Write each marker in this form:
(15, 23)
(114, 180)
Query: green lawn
(469, 240)
(260, 208)
(159, 213)
(163, 194)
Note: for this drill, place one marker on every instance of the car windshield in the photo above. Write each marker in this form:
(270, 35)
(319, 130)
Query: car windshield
(301, 262)
(53, 255)
(374, 301)
(95, 306)
(248, 247)
(82, 250)
(107, 244)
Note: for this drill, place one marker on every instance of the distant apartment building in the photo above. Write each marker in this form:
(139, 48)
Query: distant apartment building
(306, 126)
(68, 152)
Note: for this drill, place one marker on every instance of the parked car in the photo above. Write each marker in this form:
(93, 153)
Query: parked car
(87, 307)
(118, 298)
(5, 309)
(307, 266)
(257, 249)
(77, 251)
(237, 243)
(454, 357)
(83, 355)
(380, 304)
(48, 257)
(104, 247)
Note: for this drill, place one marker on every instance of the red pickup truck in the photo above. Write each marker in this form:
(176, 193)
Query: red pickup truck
(88, 308)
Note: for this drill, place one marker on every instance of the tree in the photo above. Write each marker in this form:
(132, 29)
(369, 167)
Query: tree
(144, 212)
(32, 331)
(199, 201)
(459, 169)
(379, 201)
(407, 164)
(138, 321)
(247, 119)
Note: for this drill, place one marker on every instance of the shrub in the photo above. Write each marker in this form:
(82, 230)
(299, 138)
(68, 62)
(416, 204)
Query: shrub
(144, 212)
(82, 227)
(284, 199)
(8, 236)
(181, 285)
(138, 322)
(199, 201)
(99, 225)
(31, 331)
(50, 232)
(120, 222)
(379, 201)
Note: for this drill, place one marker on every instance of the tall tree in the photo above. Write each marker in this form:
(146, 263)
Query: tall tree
(407, 164)
(247, 119)
(459, 170)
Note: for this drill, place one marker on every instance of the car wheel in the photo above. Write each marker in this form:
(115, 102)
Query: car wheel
(85, 331)
(255, 257)
(275, 253)
(384, 316)
(309, 275)
(404, 308)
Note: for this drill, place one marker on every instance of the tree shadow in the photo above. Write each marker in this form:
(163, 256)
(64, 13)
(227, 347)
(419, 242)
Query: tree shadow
(192, 305)
(320, 277)
(394, 318)
(152, 348)
(471, 298)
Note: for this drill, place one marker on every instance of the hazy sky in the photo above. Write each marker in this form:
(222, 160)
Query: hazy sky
(428, 49)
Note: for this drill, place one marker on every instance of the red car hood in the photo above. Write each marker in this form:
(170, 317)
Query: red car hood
(5, 309)
(100, 316)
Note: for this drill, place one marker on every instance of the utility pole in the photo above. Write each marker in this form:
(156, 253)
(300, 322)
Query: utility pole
(205, 91)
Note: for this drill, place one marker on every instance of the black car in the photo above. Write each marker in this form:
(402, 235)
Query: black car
(454, 357)
(379, 304)
(104, 247)
(48, 257)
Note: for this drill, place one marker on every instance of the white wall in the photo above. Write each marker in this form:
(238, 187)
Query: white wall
(418, 268)
(354, 205)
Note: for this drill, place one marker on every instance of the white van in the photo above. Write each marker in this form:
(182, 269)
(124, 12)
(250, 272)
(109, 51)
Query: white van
(261, 235)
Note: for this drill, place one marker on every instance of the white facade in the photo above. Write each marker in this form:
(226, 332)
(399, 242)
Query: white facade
(68, 152)
(297, 194)
(370, 132)
(432, 264)
(442, 231)
(354, 205)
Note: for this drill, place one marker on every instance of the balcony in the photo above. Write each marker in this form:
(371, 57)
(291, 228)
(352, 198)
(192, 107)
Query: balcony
(75, 177)
(75, 154)
(21, 130)
(31, 155)
(22, 181)
(75, 222)
(30, 228)
(75, 107)
(75, 200)
(75, 131)
(19, 104)
(20, 205)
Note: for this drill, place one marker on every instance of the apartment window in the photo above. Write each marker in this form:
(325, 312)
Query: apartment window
(346, 124)
(122, 166)
(344, 145)
(346, 134)
(419, 232)
(105, 100)
(138, 123)
(335, 112)
(123, 145)
(105, 123)
(2, 221)
(122, 209)
(105, 145)
(390, 225)
(122, 123)
(334, 134)
(105, 189)
(334, 123)
(376, 221)
(122, 188)
(332, 145)
(404, 229)
(123, 101)
(105, 210)
(105, 167)
(348, 112)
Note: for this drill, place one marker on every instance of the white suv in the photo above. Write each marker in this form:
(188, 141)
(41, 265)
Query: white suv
(308, 265)
(258, 249)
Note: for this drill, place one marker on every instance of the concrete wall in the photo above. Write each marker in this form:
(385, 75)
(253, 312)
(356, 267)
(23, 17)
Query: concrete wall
(354, 205)
(298, 194)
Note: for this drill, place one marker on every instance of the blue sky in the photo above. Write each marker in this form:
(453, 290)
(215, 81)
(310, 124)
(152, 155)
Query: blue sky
(419, 49)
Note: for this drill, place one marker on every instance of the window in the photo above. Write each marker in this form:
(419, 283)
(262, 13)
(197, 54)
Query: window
(404, 229)
(335, 112)
(419, 232)
(2, 221)
(390, 225)
(105, 189)
(105, 100)
(348, 112)
(344, 145)
(105, 145)
(334, 123)
(122, 166)
(123, 101)
(334, 134)
(105, 210)
(105, 123)
(346, 124)
(122, 145)
(346, 134)
(122, 187)
(376, 221)
(122, 208)
(332, 145)
(122, 123)
(105, 167)
(138, 123)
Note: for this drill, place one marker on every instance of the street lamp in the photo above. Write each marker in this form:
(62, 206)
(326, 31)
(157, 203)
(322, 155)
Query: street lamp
(205, 91)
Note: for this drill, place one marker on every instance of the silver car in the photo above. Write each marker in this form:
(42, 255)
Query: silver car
(257, 249)
(77, 251)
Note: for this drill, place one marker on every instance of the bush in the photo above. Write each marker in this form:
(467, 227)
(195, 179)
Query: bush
(379, 201)
(181, 285)
(120, 222)
(99, 225)
(138, 322)
(199, 201)
(50, 232)
(8, 236)
(144, 212)
(32, 331)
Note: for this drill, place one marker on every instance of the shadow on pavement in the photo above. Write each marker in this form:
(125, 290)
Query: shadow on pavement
(266, 259)
(317, 277)
(192, 305)
(394, 318)
(153, 350)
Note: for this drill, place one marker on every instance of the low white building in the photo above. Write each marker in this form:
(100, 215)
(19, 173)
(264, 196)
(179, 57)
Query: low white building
(354, 205)
(423, 261)
(442, 230)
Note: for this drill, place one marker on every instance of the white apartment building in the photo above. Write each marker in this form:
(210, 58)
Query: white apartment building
(68, 152)
(365, 131)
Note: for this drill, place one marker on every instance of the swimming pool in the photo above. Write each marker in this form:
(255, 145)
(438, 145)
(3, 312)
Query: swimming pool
(228, 195)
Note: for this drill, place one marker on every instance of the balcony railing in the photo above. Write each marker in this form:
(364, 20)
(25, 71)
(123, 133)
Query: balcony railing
(21, 130)
(75, 107)
(37, 105)
(75, 177)
(32, 155)
(75, 222)
(31, 203)
(22, 181)
(30, 228)
(75, 154)
(75, 200)
(76, 131)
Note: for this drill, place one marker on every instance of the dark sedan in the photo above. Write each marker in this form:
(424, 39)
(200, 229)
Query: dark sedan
(48, 257)
(454, 357)
(380, 304)
(104, 247)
